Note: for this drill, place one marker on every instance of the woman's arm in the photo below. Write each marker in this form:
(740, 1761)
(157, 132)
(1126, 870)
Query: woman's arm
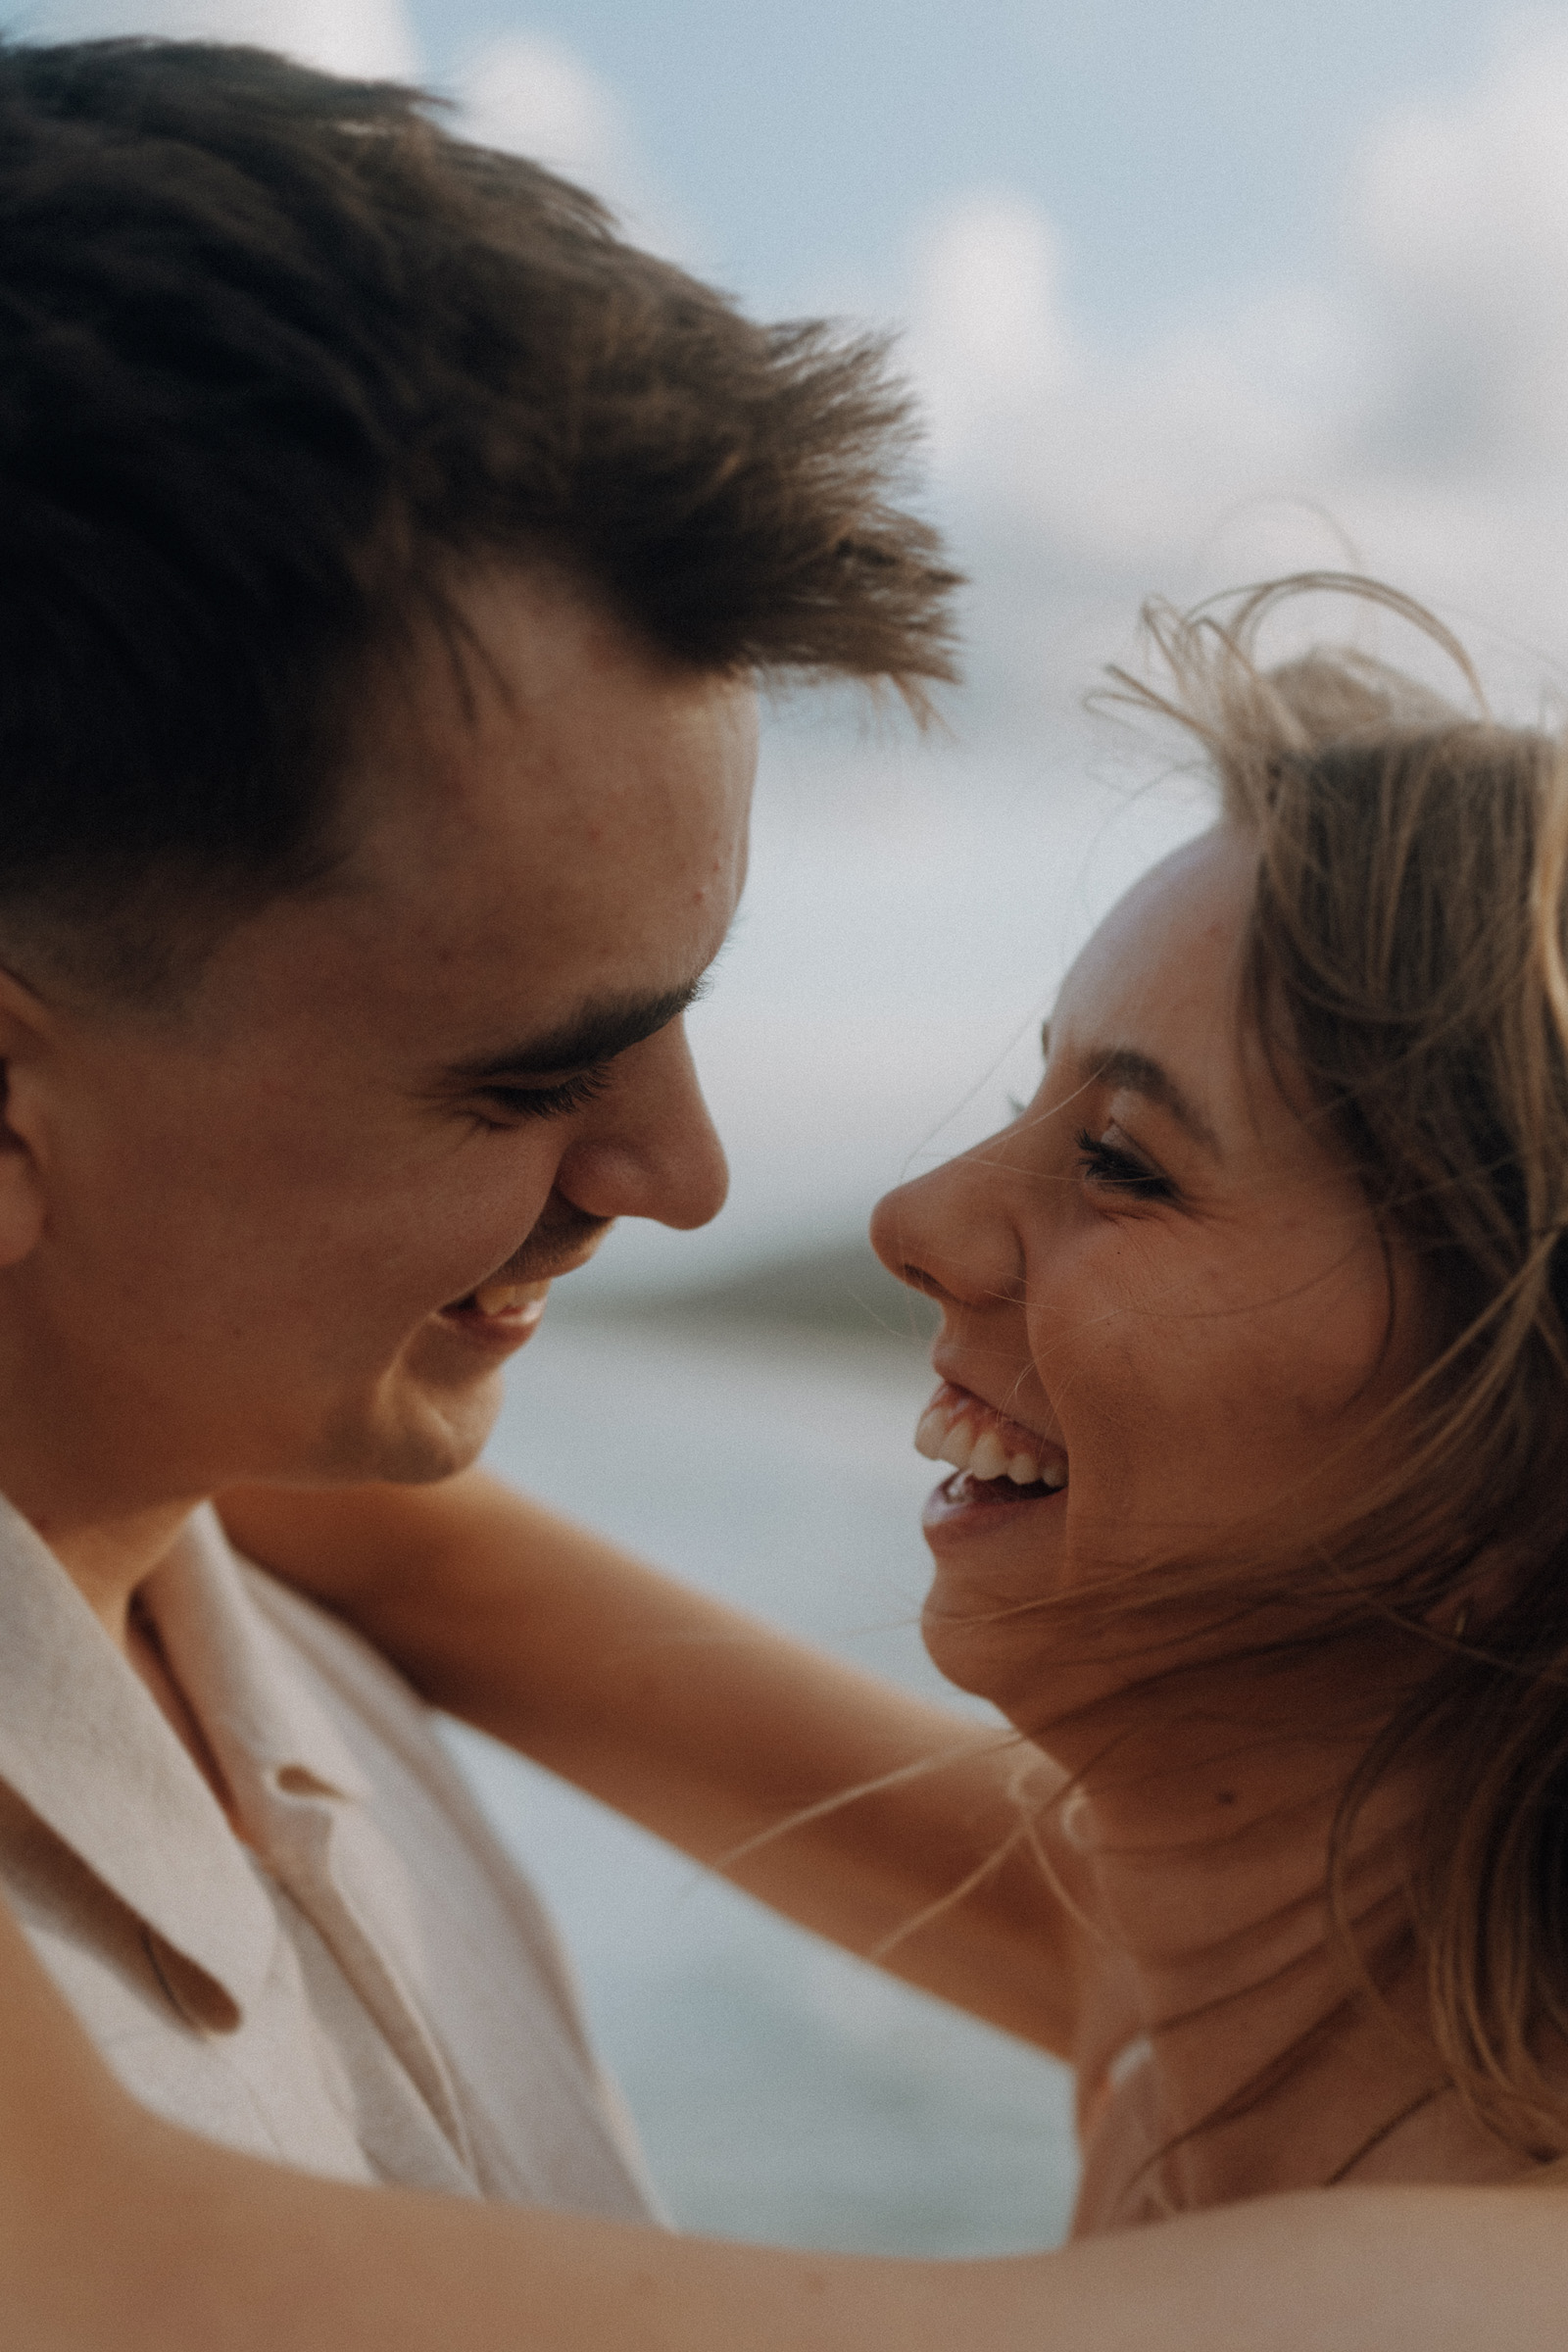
(119, 2233)
(705, 1725)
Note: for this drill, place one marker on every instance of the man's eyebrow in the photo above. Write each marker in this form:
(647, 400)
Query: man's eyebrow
(1141, 1074)
(605, 1027)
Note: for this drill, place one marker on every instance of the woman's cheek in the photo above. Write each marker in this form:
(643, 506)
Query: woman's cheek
(1163, 1424)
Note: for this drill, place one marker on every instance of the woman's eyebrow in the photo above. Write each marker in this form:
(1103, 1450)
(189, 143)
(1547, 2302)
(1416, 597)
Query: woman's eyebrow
(1142, 1074)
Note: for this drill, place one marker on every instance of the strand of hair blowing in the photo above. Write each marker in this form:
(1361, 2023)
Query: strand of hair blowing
(1407, 959)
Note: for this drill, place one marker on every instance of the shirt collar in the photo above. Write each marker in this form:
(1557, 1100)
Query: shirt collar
(84, 1744)
(266, 1732)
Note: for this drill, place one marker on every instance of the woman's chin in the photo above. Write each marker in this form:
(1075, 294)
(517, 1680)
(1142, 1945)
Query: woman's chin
(1007, 1661)
(995, 1564)
(957, 1649)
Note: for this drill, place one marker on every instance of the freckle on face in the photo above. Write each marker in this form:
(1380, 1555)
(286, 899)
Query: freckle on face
(1200, 1362)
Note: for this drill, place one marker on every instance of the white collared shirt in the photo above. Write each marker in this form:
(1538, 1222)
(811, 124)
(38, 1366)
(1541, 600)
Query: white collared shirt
(365, 1988)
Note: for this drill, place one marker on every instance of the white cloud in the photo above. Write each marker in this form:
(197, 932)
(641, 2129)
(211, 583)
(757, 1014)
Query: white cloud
(1462, 215)
(992, 337)
(1411, 410)
(532, 96)
(369, 38)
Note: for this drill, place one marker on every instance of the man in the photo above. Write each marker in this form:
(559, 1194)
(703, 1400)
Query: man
(393, 557)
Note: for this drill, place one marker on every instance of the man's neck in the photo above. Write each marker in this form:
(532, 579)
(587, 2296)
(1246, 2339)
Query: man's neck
(110, 1559)
(81, 1461)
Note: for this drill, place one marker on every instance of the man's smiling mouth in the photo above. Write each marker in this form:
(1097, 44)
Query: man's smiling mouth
(515, 1292)
(987, 1448)
(499, 1296)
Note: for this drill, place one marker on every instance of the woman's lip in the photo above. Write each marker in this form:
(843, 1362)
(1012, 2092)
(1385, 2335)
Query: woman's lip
(980, 1504)
(954, 1404)
(955, 1392)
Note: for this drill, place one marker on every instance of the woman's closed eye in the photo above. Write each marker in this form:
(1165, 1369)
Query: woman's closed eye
(1119, 1170)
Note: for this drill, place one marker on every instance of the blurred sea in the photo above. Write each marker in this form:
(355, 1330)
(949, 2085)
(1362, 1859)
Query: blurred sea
(757, 1439)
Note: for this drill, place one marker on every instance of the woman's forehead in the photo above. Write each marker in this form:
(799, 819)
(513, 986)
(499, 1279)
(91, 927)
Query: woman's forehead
(1163, 983)
(1173, 949)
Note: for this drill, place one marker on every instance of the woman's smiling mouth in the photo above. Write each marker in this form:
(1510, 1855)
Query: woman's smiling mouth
(988, 1449)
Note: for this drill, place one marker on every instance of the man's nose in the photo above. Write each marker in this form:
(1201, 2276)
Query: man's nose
(655, 1151)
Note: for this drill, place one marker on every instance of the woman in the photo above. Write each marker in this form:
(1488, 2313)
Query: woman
(1253, 1366)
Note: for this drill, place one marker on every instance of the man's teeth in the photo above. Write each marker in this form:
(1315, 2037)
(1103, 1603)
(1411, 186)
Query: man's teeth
(499, 1298)
(948, 1438)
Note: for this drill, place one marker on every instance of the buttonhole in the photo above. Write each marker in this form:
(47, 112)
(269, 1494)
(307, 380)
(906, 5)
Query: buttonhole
(189, 1990)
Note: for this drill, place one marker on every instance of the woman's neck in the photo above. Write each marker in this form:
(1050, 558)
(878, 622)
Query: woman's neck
(1230, 2042)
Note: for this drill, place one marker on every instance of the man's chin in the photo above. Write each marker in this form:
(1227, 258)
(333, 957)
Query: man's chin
(414, 1439)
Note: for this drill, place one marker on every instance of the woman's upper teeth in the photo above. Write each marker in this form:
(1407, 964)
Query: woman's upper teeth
(964, 1433)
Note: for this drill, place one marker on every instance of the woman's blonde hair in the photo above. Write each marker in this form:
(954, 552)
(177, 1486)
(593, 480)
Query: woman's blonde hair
(1407, 956)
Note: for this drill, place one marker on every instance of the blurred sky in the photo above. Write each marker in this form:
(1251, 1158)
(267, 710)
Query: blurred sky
(1193, 290)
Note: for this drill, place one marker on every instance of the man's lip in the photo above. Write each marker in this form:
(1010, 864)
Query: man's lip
(535, 1285)
(527, 1306)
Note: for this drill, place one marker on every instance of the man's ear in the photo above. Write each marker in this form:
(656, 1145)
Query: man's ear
(27, 1038)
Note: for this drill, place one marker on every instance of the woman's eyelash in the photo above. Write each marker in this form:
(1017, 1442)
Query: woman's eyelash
(1107, 1165)
(546, 1102)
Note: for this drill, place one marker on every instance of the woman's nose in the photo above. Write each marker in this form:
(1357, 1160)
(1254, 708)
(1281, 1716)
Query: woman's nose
(948, 1234)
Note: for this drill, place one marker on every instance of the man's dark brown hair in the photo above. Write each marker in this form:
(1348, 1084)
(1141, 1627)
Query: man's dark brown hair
(279, 355)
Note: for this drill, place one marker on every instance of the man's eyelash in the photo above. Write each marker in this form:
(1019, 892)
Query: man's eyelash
(547, 1101)
(1108, 1165)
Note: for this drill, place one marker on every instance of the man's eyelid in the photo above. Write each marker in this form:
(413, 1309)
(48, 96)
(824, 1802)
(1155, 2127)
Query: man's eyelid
(548, 1082)
(617, 1038)
(521, 1105)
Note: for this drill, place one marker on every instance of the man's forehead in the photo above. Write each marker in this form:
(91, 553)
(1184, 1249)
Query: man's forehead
(544, 701)
(497, 906)
(633, 842)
